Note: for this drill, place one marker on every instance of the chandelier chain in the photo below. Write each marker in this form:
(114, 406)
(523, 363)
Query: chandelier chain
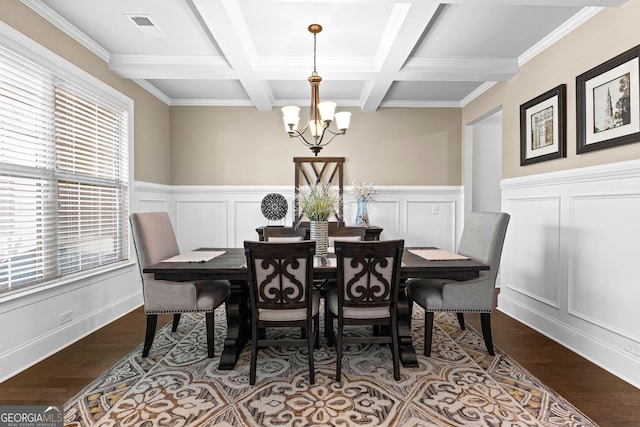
(315, 73)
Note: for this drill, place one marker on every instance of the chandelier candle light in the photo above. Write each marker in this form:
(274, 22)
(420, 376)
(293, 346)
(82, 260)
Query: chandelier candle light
(321, 114)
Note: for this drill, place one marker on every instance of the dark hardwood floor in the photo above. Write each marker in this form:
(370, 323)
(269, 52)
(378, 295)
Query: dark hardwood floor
(603, 397)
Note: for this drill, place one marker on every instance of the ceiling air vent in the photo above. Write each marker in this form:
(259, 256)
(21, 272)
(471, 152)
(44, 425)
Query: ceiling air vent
(145, 24)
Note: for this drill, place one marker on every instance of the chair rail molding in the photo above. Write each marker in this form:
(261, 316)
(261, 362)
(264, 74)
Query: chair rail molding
(569, 263)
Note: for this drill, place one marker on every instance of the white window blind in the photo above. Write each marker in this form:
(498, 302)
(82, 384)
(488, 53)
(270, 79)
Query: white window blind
(63, 176)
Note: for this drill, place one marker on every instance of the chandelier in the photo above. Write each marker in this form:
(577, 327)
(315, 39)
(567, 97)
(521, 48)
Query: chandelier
(321, 114)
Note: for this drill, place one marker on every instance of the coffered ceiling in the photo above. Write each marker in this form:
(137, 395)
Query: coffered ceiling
(371, 53)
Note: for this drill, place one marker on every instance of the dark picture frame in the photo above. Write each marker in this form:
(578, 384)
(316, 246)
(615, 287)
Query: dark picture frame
(543, 127)
(608, 103)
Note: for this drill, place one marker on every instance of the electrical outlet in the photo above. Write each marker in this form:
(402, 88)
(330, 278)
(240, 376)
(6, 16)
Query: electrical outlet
(632, 346)
(435, 210)
(66, 317)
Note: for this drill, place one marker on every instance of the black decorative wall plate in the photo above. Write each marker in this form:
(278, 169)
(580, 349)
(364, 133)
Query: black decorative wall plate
(274, 206)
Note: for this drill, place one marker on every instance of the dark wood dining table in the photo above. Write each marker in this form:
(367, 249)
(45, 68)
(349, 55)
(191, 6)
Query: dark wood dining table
(231, 266)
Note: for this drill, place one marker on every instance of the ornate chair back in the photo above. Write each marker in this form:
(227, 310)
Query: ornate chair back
(281, 294)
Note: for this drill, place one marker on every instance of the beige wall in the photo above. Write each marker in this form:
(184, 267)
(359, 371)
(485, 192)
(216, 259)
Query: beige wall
(151, 127)
(243, 146)
(606, 35)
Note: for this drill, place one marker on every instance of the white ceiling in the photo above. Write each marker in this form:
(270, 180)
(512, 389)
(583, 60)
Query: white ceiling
(371, 53)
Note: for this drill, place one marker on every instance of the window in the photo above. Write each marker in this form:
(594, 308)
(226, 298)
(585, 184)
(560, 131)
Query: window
(64, 180)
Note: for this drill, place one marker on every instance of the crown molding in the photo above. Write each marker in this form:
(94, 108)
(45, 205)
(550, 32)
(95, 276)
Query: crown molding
(578, 19)
(66, 27)
(476, 93)
(153, 90)
(421, 104)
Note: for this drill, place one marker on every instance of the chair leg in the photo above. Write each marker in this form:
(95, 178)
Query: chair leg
(461, 320)
(210, 327)
(316, 330)
(176, 321)
(485, 322)
(328, 329)
(428, 332)
(339, 352)
(327, 320)
(395, 350)
(254, 352)
(312, 336)
(152, 321)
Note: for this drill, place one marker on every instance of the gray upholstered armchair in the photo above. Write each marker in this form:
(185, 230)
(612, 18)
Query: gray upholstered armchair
(155, 241)
(482, 240)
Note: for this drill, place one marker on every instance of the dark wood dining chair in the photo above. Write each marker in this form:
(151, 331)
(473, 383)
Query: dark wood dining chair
(283, 234)
(281, 295)
(368, 277)
(342, 234)
(346, 234)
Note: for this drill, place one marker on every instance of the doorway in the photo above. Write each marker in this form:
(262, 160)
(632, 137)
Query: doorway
(483, 163)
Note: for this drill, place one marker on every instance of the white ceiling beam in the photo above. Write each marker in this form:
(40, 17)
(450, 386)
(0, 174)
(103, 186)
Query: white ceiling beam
(216, 68)
(170, 67)
(459, 69)
(406, 25)
(226, 24)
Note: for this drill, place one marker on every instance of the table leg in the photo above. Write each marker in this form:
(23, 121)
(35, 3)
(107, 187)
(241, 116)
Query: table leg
(407, 352)
(238, 324)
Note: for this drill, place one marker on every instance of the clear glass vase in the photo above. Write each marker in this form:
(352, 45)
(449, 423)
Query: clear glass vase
(362, 217)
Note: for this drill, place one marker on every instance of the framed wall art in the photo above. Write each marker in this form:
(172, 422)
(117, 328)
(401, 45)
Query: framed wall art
(543, 127)
(608, 103)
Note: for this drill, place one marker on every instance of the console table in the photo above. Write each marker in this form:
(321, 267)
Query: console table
(372, 232)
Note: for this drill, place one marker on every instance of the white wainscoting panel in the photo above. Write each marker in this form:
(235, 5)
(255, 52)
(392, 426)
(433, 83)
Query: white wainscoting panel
(383, 213)
(222, 216)
(226, 216)
(605, 230)
(149, 197)
(569, 266)
(201, 224)
(533, 248)
(432, 224)
(247, 212)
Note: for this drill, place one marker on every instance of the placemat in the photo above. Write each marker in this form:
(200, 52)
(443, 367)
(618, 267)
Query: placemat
(437, 254)
(194, 256)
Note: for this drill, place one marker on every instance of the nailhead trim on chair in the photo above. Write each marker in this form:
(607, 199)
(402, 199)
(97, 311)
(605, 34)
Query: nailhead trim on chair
(455, 310)
(179, 311)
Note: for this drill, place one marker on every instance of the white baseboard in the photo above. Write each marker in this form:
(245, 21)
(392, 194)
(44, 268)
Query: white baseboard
(613, 360)
(38, 330)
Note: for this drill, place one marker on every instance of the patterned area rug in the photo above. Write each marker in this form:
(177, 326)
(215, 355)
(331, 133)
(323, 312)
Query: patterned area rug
(459, 385)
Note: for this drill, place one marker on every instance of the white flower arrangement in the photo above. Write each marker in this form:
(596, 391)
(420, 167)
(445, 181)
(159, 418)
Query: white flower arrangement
(363, 192)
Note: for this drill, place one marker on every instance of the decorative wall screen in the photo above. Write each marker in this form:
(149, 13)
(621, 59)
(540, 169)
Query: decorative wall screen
(310, 171)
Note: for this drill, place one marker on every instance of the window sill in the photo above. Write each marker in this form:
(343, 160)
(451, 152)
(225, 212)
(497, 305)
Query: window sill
(27, 291)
